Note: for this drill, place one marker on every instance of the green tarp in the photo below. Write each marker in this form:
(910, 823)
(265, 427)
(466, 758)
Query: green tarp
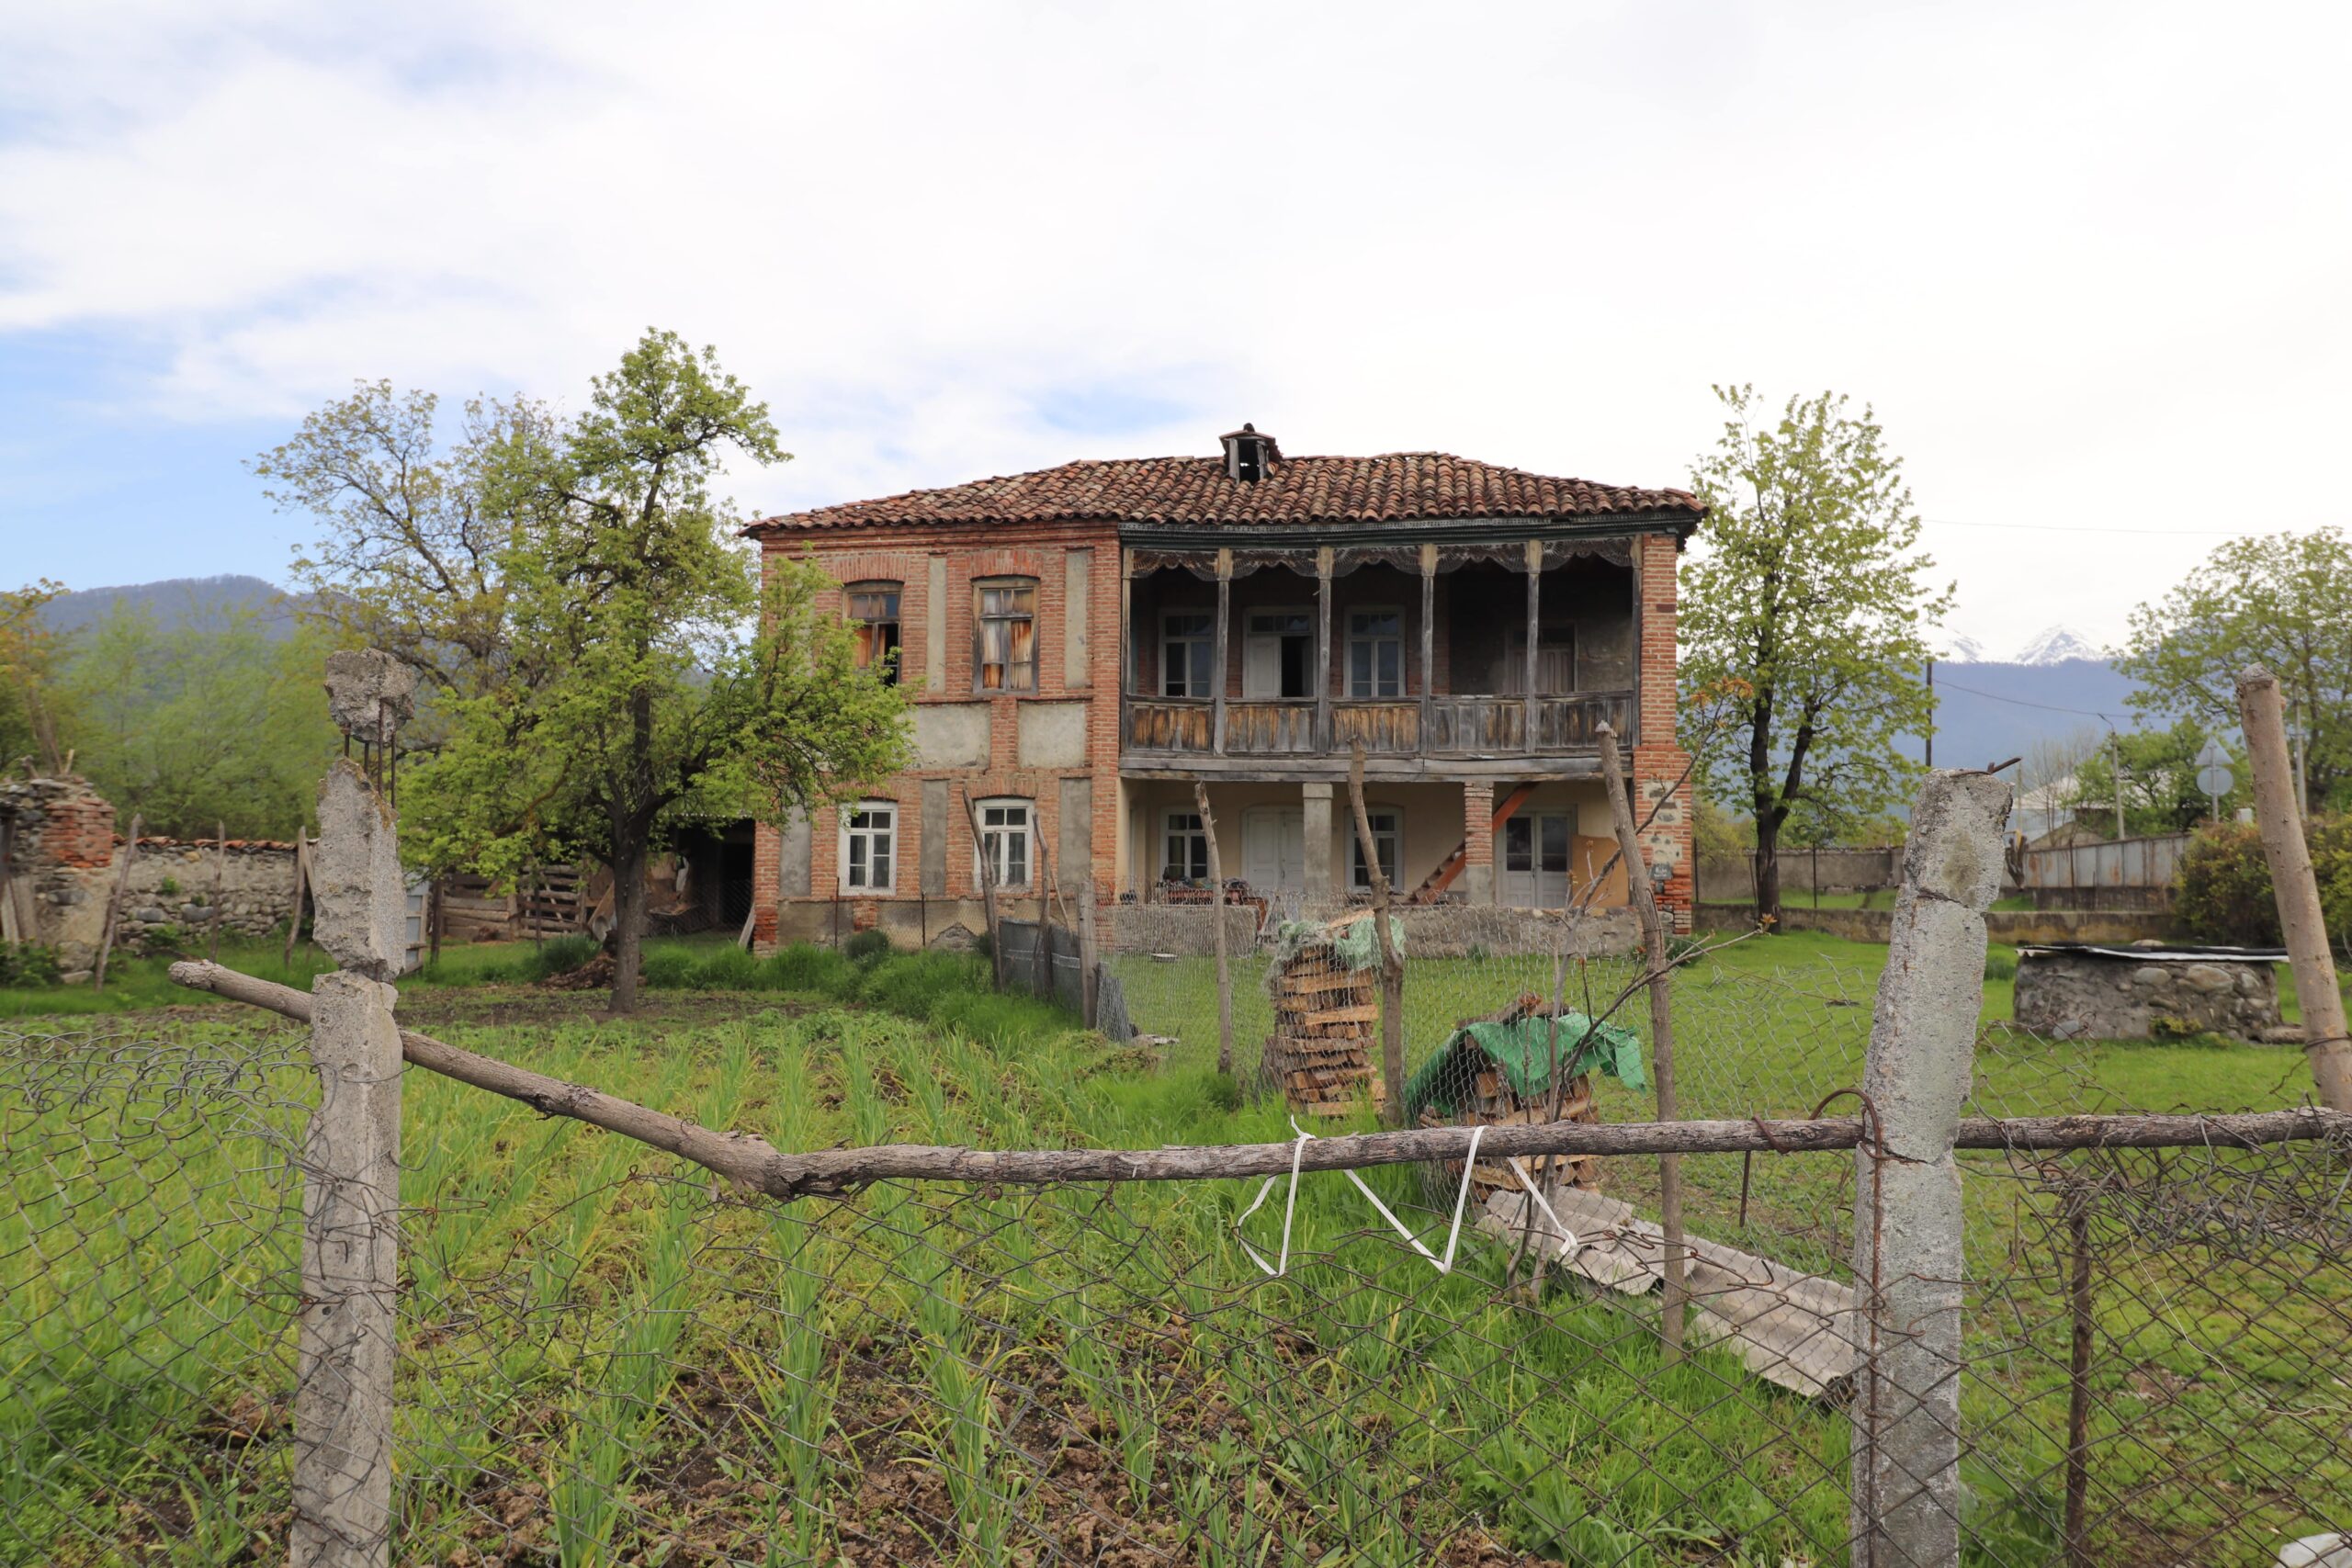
(1523, 1051)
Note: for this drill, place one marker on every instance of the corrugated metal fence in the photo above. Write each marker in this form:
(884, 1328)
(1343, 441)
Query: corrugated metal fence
(2149, 862)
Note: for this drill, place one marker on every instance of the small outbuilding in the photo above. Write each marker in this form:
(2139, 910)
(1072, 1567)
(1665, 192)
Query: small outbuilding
(2070, 990)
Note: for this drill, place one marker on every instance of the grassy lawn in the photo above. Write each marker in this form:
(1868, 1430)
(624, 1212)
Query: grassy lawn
(606, 1362)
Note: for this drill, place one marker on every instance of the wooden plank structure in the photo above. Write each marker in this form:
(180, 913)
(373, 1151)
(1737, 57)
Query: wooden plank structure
(1787, 1326)
(1489, 1097)
(1326, 1017)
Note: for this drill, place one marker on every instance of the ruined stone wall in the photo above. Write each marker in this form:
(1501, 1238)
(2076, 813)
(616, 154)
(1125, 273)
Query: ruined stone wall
(64, 857)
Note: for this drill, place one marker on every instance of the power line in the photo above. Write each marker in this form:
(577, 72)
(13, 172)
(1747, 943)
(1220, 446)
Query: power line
(1951, 686)
(2090, 529)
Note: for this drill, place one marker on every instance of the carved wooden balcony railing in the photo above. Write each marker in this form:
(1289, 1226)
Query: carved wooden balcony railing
(1457, 726)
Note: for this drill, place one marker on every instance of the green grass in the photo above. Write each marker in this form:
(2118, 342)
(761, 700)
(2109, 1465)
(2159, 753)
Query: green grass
(607, 1356)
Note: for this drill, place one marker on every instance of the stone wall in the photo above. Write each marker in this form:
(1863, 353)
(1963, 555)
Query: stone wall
(2007, 926)
(2083, 995)
(172, 885)
(63, 858)
(1432, 930)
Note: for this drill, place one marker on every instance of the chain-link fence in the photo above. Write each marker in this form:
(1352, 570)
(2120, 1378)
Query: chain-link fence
(605, 1359)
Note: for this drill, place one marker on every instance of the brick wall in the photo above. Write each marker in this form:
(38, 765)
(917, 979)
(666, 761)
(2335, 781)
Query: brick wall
(936, 668)
(1658, 760)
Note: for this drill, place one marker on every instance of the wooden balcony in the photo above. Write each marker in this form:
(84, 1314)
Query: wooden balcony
(1168, 728)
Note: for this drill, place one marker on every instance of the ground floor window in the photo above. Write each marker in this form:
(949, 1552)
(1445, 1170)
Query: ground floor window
(869, 845)
(1006, 829)
(1184, 848)
(1387, 838)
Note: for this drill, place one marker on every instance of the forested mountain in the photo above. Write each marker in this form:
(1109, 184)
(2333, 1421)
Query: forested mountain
(175, 602)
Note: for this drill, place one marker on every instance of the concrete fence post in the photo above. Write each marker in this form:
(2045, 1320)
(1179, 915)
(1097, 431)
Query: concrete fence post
(344, 1349)
(1905, 1410)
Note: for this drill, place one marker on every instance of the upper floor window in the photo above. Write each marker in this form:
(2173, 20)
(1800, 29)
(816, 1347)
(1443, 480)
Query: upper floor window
(873, 606)
(869, 845)
(1184, 848)
(1187, 649)
(1387, 840)
(1375, 654)
(1006, 829)
(1005, 620)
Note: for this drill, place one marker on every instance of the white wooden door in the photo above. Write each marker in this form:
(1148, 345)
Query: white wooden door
(1274, 847)
(1535, 859)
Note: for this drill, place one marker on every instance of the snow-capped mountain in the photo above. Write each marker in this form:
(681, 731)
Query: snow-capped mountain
(1961, 650)
(2056, 645)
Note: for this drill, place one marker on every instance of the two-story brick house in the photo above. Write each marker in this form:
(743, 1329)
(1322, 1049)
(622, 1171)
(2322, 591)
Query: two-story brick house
(1084, 642)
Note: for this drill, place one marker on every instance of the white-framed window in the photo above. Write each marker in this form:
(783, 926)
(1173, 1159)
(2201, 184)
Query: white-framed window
(1375, 654)
(1004, 634)
(1183, 847)
(1387, 838)
(870, 845)
(1187, 652)
(1008, 826)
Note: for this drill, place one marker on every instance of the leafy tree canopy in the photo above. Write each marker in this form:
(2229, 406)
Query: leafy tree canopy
(411, 551)
(645, 679)
(2283, 601)
(29, 652)
(2160, 793)
(1803, 623)
(211, 723)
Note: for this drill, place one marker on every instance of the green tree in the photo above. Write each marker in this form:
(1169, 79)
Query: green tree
(2160, 793)
(2283, 601)
(649, 681)
(1803, 623)
(29, 654)
(411, 547)
(209, 722)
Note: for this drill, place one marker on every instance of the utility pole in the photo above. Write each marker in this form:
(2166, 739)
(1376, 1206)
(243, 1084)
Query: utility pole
(1930, 758)
(2115, 753)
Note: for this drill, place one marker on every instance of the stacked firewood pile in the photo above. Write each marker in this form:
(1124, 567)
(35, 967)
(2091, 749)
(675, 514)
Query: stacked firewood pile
(1327, 1015)
(1469, 1083)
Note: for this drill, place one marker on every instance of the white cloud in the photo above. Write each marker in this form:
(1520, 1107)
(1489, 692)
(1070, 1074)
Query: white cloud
(2084, 260)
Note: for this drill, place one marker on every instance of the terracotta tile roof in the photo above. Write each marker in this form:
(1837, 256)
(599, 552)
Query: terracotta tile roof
(1394, 487)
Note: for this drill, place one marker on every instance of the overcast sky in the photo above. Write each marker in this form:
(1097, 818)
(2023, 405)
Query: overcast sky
(2088, 263)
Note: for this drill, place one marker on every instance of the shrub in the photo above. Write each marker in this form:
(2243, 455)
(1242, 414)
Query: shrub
(804, 968)
(26, 964)
(1682, 950)
(666, 969)
(169, 888)
(865, 947)
(2223, 892)
(2000, 965)
(730, 968)
(915, 983)
(558, 955)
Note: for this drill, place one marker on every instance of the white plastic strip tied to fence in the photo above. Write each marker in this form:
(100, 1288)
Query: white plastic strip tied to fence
(1443, 1265)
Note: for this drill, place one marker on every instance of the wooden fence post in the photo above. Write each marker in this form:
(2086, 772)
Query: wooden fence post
(220, 878)
(1905, 1406)
(1643, 895)
(114, 904)
(1392, 968)
(302, 886)
(988, 893)
(1217, 929)
(2292, 882)
(1088, 1000)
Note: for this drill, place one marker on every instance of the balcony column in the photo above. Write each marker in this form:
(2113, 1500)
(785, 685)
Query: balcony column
(1428, 637)
(1216, 671)
(1323, 648)
(1534, 596)
(1315, 827)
